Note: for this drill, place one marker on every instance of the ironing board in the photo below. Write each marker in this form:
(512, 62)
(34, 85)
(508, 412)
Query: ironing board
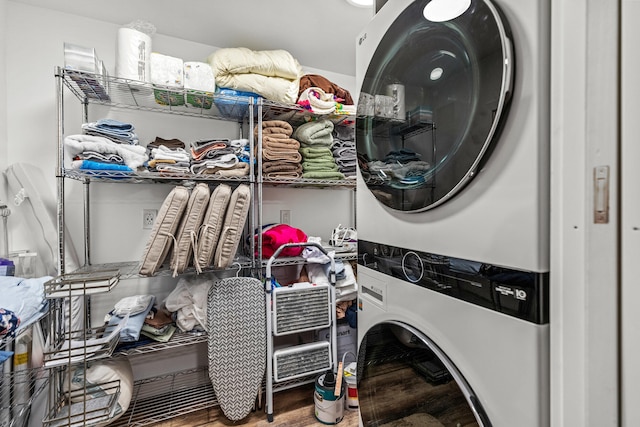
(237, 343)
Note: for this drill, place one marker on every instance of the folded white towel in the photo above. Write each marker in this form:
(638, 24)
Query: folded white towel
(165, 153)
(134, 156)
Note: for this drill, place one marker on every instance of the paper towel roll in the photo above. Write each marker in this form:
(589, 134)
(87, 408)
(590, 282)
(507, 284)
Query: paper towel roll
(133, 51)
(396, 91)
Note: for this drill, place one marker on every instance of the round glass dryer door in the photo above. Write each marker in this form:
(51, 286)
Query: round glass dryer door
(432, 101)
(404, 379)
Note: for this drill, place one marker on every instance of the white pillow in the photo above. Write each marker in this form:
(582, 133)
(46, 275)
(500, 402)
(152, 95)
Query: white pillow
(100, 376)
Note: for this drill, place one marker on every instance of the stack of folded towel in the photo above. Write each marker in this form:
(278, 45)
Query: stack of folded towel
(316, 140)
(168, 156)
(96, 153)
(216, 156)
(174, 161)
(116, 131)
(344, 151)
(280, 156)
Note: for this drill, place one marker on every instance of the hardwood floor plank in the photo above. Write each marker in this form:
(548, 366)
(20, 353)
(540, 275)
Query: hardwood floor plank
(291, 408)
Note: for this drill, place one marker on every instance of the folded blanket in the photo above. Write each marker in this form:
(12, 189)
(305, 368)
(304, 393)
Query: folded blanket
(318, 132)
(169, 143)
(199, 149)
(323, 175)
(274, 74)
(99, 166)
(282, 143)
(225, 161)
(316, 152)
(239, 169)
(328, 165)
(100, 157)
(275, 126)
(281, 166)
(134, 156)
(283, 175)
(288, 155)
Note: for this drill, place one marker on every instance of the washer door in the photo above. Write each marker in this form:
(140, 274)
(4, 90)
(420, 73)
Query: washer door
(405, 379)
(432, 101)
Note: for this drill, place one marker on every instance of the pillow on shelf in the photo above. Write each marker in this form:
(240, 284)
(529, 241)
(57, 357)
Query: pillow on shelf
(164, 228)
(188, 228)
(233, 225)
(100, 379)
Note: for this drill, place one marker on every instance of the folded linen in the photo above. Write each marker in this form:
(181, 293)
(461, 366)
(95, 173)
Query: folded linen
(317, 101)
(323, 175)
(316, 152)
(318, 132)
(225, 161)
(283, 175)
(132, 305)
(100, 157)
(326, 165)
(275, 126)
(239, 169)
(311, 80)
(269, 142)
(169, 143)
(287, 155)
(132, 324)
(99, 166)
(134, 156)
(281, 166)
(166, 153)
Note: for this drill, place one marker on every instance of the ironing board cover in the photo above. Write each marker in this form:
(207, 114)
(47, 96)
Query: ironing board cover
(237, 343)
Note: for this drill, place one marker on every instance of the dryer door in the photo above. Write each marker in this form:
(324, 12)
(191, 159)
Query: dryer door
(405, 379)
(432, 101)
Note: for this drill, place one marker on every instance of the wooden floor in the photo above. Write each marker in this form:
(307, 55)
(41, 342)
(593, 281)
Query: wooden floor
(291, 408)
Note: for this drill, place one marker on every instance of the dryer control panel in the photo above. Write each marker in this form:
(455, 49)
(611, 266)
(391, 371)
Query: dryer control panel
(521, 294)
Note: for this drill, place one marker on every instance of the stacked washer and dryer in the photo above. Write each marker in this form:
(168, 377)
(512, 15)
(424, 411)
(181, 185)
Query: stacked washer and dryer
(452, 137)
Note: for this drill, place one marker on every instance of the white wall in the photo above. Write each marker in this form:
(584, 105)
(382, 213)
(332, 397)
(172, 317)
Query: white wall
(3, 90)
(117, 234)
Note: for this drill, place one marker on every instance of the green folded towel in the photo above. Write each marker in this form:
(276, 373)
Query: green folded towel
(319, 166)
(323, 175)
(315, 152)
(318, 132)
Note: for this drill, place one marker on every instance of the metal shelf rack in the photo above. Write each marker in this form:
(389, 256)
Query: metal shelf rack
(155, 399)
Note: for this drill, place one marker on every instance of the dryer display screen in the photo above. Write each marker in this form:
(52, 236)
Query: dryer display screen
(432, 102)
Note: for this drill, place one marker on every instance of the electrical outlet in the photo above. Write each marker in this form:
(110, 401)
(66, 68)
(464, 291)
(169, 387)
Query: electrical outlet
(285, 216)
(148, 218)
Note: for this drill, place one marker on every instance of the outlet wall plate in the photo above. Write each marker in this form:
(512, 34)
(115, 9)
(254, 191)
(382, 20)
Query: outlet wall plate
(149, 218)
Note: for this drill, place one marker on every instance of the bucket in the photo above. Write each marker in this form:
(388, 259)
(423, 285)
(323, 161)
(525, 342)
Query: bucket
(329, 407)
(349, 375)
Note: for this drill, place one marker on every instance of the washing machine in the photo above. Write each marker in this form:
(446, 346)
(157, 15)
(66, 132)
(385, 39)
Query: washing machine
(452, 213)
